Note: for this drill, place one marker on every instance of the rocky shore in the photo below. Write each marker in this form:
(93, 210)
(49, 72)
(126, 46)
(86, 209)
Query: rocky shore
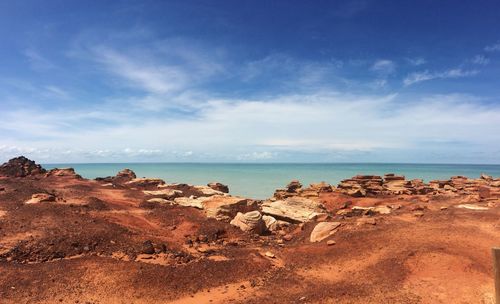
(134, 239)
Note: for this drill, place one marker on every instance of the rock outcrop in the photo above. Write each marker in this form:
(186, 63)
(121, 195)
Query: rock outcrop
(163, 193)
(390, 184)
(294, 209)
(40, 198)
(219, 187)
(220, 207)
(145, 182)
(21, 167)
(67, 172)
(224, 208)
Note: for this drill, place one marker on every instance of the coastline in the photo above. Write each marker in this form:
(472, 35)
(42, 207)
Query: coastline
(178, 242)
(259, 181)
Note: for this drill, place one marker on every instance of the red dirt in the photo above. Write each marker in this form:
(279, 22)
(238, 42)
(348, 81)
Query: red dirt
(87, 247)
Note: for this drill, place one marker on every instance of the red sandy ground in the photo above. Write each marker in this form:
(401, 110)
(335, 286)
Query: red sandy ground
(86, 248)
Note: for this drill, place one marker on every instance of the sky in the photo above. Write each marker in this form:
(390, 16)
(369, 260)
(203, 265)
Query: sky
(250, 81)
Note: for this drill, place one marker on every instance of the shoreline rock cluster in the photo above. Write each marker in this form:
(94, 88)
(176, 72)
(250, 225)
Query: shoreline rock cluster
(292, 205)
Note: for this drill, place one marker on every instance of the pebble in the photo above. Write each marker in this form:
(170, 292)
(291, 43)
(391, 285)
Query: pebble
(331, 242)
(270, 255)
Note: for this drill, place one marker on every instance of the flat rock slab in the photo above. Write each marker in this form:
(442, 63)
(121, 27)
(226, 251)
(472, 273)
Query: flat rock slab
(294, 209)
(164, 193)
(220, 207)
(40, 198)
(323, 230)
(472, 207)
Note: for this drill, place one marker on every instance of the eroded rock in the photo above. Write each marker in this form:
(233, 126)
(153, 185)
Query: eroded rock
(323, 230)
(249, 222)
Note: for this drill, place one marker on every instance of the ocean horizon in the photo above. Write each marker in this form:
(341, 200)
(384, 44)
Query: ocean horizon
(260, 180)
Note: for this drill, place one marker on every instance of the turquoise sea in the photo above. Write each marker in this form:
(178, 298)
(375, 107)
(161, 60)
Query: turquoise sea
(260, 180)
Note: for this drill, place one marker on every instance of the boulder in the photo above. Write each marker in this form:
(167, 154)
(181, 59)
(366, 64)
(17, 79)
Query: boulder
(224, 207)
(145, 182)
(321, 187)
(273, 224)
(147, 247)
(220, 207)
(486, 177)
(294, 209)
(219, 187)
(293, 186)
(40, 198)
(164, 193)
(249, 222)
(126, 173)
(323, 230)
(21, 167)
(191, 201)
(207, 191)
(158, 200)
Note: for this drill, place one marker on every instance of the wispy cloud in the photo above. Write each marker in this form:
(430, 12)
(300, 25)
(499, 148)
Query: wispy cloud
(417, 77)
(493, 48)
(416, 61)
(57, 92)
(37, 61)
(480, 59)
(384, 66)
(272, 126)
(152, 78)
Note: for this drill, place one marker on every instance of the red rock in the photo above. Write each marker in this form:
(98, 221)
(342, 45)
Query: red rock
(293, 186)
(20, 167)
(219, 187)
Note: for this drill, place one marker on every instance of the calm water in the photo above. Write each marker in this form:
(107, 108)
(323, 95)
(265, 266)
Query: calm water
(260, 180)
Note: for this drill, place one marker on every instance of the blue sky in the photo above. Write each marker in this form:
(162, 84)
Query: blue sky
(250, 81)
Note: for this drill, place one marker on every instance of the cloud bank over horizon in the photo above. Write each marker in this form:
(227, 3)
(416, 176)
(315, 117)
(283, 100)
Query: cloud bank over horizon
(101, 88)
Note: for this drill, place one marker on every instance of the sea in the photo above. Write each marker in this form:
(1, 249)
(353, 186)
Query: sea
(260, 180)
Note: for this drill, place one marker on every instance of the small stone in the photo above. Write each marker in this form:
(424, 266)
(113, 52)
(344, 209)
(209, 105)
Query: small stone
(418, 214)
(443, 208)
(147, 247)
(331, 242)
(288, 237)
(270, 255)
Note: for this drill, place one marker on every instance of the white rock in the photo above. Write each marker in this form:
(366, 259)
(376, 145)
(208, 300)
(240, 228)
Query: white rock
(250, 221)
(472, 207)
(323, 230)
(295, 209)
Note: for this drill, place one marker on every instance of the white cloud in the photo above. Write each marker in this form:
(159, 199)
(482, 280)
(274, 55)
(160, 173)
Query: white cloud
(224, 129)
(493, 48)
(426, 75)
(150, 77)
(416, 61)
(480, 59)
(384, 66)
